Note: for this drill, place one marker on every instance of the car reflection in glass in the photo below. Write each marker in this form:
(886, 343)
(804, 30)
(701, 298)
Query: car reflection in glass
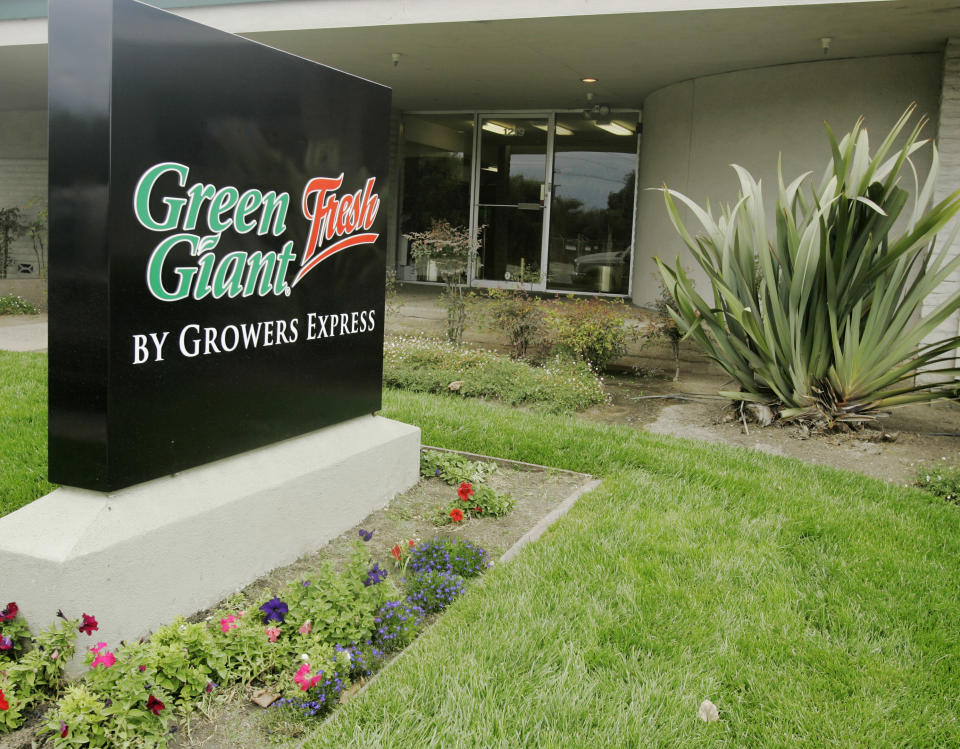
(605, 272)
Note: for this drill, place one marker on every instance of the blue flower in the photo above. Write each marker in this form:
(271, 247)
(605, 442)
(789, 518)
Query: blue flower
(274, 610)
(366, 535)
(375, 575)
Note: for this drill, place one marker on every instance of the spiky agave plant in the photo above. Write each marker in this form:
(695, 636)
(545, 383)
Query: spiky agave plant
(824, 323)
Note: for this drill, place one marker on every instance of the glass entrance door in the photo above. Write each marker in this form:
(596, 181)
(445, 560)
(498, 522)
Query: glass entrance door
(512, 200)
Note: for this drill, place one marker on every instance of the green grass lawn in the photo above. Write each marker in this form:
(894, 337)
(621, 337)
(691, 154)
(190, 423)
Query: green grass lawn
(814, 607)
(23, 429)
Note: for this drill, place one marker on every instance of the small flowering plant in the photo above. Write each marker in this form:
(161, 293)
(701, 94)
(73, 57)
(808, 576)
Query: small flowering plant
(401, 552)
(14, 634)
(454, 557)
(11, 707)
(31, 669)
(433, 591)
(397, 622)
(315, 681)
(474, 501)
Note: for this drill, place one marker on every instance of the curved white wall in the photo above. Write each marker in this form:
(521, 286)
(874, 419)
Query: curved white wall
(693, 131)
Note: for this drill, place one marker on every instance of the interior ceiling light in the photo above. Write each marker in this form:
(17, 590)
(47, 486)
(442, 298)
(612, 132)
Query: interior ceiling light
(560, 129)
(588, 79)
(495, 127)
(615, 128)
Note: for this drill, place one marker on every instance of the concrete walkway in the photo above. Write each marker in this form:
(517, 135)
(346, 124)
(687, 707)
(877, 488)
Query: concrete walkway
(417, 310)
(23, 333)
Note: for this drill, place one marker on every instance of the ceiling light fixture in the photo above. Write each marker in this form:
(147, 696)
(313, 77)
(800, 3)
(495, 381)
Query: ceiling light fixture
(559, 129)
(615, 128)
(588, 79)
(494, 127)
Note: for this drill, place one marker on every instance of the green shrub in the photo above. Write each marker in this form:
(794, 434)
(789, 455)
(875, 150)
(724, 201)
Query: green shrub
(431, 366)
(589, 329)
(830, 328)
(12, 304)
(517, 314)
(940, 480)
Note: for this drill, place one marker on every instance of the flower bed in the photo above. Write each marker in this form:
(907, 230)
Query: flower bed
(305, 643)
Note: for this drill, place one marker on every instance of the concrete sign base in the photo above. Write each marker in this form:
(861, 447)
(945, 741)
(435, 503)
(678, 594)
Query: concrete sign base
(138, 557)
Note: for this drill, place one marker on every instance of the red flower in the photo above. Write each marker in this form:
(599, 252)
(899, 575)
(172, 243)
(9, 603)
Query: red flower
(411, 543)
(89, 625)
(465, 491)
(478, 510)
(64, 730)
(10, 612)
(4, 705)
(456, 514)
(154, 705)
(396, 552)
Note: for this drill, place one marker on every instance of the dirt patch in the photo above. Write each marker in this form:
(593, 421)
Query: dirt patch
(235, 721)
(889, 450)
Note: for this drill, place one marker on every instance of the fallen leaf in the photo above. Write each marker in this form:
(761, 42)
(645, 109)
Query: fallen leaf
(264, 697)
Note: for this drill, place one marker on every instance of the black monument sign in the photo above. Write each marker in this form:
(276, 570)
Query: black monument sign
(216, 241)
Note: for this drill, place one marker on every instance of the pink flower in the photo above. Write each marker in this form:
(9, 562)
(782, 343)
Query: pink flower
(89, 625)
(306, 628)
(228, 623)
(272, 633)
(98, 647)
(304, 679)
(105, 659)
(154, 705)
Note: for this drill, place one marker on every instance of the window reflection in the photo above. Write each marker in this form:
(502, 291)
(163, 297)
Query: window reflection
(591, 219)
(436, 180)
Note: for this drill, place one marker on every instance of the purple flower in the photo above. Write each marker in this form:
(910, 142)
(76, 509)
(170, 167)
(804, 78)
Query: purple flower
(375, 575)
(366, 535)
(6, 643)
(274, 610)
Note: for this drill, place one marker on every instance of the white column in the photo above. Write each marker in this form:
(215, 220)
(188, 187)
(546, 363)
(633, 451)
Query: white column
(948, 180)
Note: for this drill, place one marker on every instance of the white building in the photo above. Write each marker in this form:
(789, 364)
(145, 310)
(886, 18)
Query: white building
(496, 123)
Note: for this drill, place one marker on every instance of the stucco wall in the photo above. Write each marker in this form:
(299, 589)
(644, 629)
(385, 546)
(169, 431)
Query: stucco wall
(693, 131)
(23, 174)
